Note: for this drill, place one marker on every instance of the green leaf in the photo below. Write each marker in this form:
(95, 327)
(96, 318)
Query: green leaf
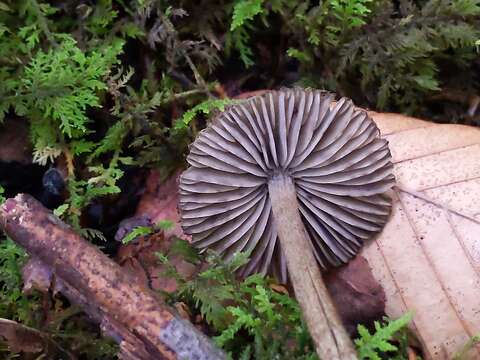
(81, 146)
(239, 39)
(165, 225)
(299, 55)
(112, 140)
(243, 319)
(205, 107)
(4, 7)
(248, 317)
(245, 10)
(185, 250)
(59, 211)
(162, 258)
(2, 198)
(351, 13)
(64, 82)
(372, 346)
(137, 232)
(426, 81)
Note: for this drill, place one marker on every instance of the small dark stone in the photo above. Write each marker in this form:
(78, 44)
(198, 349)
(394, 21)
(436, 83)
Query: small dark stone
(53, 182)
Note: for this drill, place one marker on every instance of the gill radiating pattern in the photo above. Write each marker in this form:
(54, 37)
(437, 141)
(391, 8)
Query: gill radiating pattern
(340, 167)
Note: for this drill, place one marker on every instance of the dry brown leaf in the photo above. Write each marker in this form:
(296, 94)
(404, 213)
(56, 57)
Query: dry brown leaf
(159, 202)
(140, 259)
(183, 310)
(428, 256)
(20, 338)
(26, 340)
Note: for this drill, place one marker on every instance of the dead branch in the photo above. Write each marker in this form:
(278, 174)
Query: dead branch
(144, 326)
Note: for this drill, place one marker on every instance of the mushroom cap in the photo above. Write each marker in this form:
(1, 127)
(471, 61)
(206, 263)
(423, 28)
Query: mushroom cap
(340, 166)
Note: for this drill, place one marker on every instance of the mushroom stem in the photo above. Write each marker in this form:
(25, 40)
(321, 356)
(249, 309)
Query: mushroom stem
(329, 336)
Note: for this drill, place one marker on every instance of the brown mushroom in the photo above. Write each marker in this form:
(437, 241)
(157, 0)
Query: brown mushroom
(295, 179)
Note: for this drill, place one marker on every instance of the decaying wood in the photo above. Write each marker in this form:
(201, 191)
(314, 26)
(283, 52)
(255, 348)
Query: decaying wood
(144, 326)
(331, 339)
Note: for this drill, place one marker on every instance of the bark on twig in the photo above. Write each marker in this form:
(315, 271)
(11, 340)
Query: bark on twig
(145, 327)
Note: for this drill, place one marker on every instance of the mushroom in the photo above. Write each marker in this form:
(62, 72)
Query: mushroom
(295, 179)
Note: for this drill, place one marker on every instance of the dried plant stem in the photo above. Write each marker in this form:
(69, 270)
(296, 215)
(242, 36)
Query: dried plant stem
(330, 338)
(198, 78)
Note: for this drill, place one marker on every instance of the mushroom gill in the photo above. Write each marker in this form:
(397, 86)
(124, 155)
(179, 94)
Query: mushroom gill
(332, 153)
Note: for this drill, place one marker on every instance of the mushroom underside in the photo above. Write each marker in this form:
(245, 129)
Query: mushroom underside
(332, 153)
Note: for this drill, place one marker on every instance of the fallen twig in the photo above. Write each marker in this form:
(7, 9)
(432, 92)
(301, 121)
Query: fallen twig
(133, 315)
